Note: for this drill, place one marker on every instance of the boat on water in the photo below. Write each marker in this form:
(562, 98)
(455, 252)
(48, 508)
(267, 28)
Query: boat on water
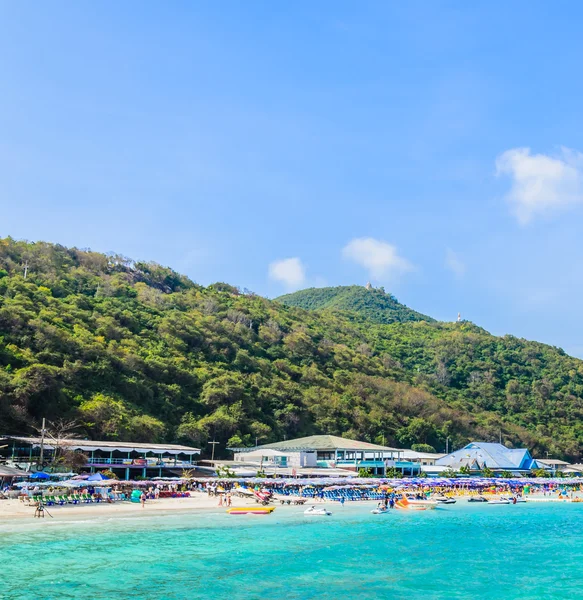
(251, 510)
(425, 502)
(444, 500)
(405, 503)
(317, 512)
(514, 499)
(477, 499)
(499, 501)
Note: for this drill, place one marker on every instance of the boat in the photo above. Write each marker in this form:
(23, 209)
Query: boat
(444, 500)
(251, 510)
(477, 499)
(405, 504)
(317, 512)
(514, 499)
(499, 501)
(425, 502)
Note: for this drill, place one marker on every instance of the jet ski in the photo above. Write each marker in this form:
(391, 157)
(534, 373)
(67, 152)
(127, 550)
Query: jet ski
(380, 511)
(477, 499)
(317, 512)
(444, 500)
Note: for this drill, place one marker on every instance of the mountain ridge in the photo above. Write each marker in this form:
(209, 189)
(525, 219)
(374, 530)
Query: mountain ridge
(132, 350)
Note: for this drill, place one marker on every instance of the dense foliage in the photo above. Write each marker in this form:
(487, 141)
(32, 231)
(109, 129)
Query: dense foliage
(373, 304)
(137, 351)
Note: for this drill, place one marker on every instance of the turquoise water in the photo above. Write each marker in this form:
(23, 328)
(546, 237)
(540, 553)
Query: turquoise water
(461, 551)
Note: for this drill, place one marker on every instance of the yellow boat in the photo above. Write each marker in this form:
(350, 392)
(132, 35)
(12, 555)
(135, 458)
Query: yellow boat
(251, 510)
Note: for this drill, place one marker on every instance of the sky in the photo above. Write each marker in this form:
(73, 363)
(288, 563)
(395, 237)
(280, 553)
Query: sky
(433, 148)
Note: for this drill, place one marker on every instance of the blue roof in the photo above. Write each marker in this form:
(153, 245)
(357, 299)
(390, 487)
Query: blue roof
(491, 455)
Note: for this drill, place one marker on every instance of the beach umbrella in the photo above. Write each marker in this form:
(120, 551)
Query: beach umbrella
(97, 477)
(40, 475)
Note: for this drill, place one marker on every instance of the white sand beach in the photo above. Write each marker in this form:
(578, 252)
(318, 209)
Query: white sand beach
(15, 509)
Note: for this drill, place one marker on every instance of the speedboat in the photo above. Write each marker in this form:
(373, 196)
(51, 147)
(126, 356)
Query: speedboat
(499, 501)
(419, 502)
(444, 500)
(514, 499)
(317, 512)
(477, 499)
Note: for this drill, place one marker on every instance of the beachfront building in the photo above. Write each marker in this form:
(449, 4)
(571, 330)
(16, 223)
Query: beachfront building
(477, 456)
(325, 454)
(425, 459)
(554, 465)
(126, 459)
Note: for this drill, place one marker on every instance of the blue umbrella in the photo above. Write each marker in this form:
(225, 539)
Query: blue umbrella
(97, 477)
(40, 475)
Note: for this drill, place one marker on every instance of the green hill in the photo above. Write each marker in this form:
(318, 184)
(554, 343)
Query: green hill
(134, 351)
(373, 304)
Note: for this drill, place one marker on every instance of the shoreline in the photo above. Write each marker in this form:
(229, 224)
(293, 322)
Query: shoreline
(15, 509)
(12, 509)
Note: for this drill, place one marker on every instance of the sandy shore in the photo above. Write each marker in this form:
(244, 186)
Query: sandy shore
(14, 509)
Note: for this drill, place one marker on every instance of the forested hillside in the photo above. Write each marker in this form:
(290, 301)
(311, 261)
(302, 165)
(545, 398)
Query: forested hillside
(357, 301)
(132, 350)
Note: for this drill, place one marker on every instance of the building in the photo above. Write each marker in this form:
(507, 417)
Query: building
(425, 459)
(324, 453)
(478, 456)
(126, 459)
(553, 464)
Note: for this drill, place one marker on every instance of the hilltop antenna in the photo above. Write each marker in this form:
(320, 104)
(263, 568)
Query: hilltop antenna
(25, 269)
(459, 317)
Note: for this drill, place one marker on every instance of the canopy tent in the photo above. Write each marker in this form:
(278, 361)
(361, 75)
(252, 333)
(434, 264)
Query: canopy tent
(40, 475)
(6, 471)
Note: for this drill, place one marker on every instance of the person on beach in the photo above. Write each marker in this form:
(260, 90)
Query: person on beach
(220, 499)
(229, 499)
(143, 499)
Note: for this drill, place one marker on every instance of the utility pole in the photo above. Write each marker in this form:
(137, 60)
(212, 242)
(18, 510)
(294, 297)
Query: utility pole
(213, 452)
(42, 434)
(501, 437)
(447, 445)
(25, 269)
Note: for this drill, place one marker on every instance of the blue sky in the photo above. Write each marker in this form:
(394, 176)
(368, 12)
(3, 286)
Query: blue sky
(431, 147)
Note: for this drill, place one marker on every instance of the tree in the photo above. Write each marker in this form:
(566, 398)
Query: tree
(422, 448)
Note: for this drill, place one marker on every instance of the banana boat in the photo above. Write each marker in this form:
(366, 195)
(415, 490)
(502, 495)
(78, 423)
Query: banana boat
(251, 510)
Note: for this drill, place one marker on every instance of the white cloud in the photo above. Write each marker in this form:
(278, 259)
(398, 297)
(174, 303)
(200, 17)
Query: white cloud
(541, 184)
(380, 258)
(454, 263)
(289, 271)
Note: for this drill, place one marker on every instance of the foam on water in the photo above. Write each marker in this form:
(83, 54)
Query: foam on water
(462, 551)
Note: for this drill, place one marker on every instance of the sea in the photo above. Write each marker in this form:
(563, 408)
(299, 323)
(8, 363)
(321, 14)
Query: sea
(522, 551)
